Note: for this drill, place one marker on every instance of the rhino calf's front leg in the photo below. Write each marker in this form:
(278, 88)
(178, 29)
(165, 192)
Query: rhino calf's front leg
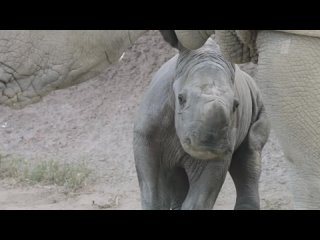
(151, 178)
(245, 171)
(161, 187)
(206, 179)
(245, 168)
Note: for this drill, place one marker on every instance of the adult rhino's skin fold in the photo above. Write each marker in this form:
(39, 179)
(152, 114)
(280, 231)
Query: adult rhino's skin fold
(36, 62)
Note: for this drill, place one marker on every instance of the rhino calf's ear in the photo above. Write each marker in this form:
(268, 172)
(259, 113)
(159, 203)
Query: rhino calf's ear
(170, 37)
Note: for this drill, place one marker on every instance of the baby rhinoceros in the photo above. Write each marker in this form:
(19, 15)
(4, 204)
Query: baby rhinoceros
(200, 117)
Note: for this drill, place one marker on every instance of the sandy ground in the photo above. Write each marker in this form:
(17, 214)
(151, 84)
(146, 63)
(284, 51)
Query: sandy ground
(93, 121)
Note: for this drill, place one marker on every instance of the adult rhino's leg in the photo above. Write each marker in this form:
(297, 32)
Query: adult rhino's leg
(206, 178)
(289, 77)
(245, 168)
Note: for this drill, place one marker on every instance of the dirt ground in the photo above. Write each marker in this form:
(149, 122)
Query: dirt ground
(93, 122)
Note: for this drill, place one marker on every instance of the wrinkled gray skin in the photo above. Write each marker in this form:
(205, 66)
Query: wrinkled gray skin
(200, 117)
(34, 63)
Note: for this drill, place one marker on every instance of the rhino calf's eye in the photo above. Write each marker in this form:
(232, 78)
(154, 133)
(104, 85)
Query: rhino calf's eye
(181, 99)
(235, 104)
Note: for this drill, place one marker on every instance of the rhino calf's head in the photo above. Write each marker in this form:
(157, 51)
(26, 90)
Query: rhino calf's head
(205, 102)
